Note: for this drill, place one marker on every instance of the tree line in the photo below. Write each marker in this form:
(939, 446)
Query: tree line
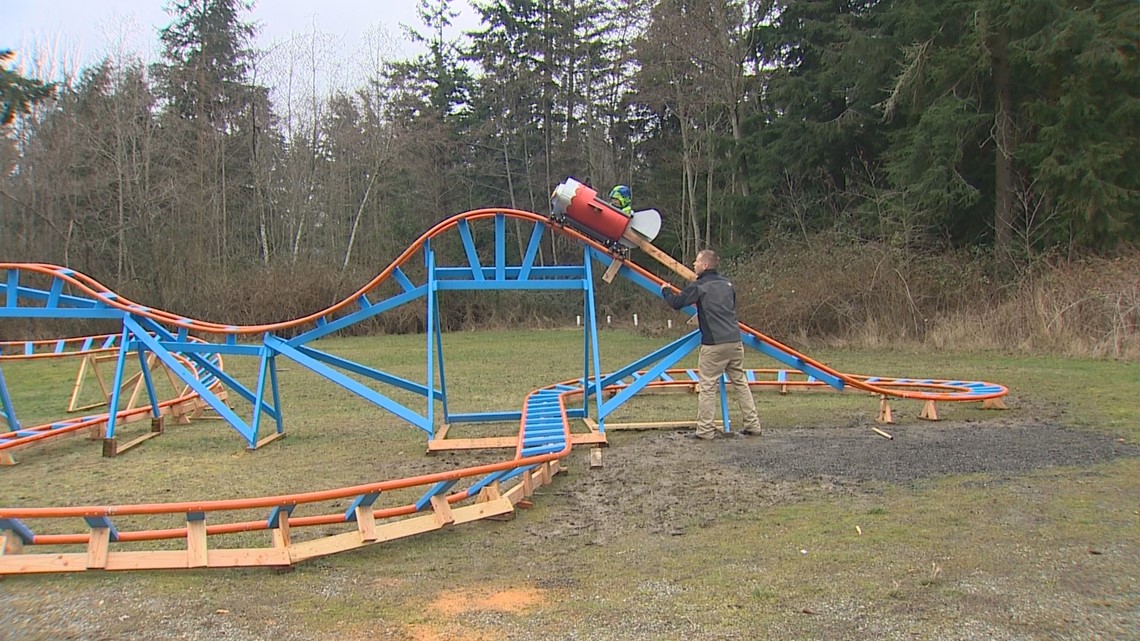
(1005, 126)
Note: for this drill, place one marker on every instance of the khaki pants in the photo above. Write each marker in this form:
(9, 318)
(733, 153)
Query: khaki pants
(715, 360)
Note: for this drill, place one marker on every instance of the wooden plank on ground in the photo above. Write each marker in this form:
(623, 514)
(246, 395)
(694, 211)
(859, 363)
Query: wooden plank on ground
(42, 563)
(490, 442)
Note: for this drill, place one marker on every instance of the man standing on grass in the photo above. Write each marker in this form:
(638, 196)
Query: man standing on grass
(721, 349)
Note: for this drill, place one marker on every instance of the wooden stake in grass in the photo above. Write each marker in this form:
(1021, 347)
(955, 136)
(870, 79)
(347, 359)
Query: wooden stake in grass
(882, 433)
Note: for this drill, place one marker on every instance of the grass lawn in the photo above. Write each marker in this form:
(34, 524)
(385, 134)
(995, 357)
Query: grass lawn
(991, 525)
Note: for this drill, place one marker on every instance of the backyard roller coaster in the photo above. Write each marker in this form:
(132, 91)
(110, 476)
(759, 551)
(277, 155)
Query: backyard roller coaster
(551, 421)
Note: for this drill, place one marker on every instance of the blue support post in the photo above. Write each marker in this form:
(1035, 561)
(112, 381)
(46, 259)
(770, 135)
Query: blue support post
(276, 392)
(439, 358)
(117, 383)
(429, 262)
(591, 314)
(155, 411)
(723, 401)
(262, 375)
(6, 402)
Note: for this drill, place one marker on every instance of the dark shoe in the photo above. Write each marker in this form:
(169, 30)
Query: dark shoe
(750, 432)
(693, 436)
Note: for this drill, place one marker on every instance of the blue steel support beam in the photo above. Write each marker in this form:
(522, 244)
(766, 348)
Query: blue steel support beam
(155, 410)
(511, 272)
(531, 251)
(429, 263)
(642, 362)
(276, 393)
(469, 248)
(174, 365)
(37, 312)
(723, 402)
(358, 315)
(351, 385)
(363, 370)
(791, 361)
(500, 247)
(6, 403)
(439, 358)
(403, 279)
(12, 288)
(117, 382)
(262, 375)
(683, 349)
(591, 314)
(163, 336)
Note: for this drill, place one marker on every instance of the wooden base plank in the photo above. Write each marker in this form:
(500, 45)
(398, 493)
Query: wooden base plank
(133, 443)
(490, 442)
(267, 440)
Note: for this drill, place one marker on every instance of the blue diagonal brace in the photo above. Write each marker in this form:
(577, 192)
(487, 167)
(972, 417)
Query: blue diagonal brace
(344, 381)
(190, 379)
(682, 349)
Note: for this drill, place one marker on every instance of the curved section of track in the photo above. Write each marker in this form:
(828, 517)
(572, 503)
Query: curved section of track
(544, 439)
(23, 437)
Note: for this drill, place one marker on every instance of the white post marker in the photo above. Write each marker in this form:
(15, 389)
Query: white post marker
(608, 319)
(635, 320)
(670, 323)
(578, 320)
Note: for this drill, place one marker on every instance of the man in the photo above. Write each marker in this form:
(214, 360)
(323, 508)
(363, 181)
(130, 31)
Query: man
(721, 349)
(622, 199)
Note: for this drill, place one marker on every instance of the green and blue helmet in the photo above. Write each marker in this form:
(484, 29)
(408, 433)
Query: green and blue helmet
(622, 198)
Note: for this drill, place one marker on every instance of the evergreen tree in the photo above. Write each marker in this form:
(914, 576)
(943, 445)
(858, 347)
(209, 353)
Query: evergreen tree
(17, 93)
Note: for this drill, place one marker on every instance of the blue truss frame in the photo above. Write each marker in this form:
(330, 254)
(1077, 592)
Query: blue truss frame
(171, 344)
(503, 277)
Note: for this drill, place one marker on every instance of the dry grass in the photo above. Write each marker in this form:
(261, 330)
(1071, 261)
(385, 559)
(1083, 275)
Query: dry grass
(871, 296)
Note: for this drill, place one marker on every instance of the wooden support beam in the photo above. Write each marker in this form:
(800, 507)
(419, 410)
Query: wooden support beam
(592, 438)
(994, 404)
(98, 545)
(196, 548)
(442, 510)
(490, 442)
(133, 443)
(366, 523)
(882, 433)
(929, 412)
(6, 458)
(10, 543)
(110, 448)
(885, 411)
(611, 271)
(665, 259)
(282, 538)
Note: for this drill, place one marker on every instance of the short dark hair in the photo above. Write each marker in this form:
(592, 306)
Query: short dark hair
(710, 258)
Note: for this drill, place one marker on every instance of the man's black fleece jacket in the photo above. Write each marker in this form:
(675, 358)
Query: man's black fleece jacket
(715, 298)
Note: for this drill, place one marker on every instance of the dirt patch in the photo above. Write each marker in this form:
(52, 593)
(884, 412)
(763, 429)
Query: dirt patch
(456, 602)
(666, 484)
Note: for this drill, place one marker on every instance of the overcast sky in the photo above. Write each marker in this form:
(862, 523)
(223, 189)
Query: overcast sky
(62, 36)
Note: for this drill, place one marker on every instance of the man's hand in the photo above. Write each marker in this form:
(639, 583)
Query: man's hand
(665, 288)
